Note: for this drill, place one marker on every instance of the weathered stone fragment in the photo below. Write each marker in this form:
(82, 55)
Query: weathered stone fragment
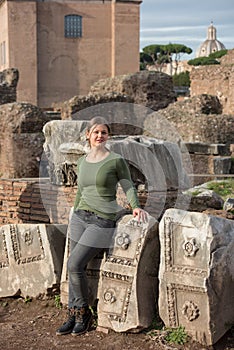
(202, 198)
(129, 277)
(150, 89)
(125, 279)
(229, 204)
(87, 104)
(8, 83)
(222, 165)
(64, 144)
(21, 141)
(31, 259)
(197, 274)
(156, 162)
(216, 149)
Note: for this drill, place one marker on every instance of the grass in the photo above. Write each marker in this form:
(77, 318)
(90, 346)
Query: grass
(171, 335)
(176, 335)
(224, 188)
(57, 301)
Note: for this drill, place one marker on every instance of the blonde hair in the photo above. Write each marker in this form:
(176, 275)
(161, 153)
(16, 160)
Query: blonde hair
(98, 121)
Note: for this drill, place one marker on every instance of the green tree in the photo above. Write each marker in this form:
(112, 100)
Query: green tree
(145, 60)
(181, 79)
(203, 61)
(161, 54)
(153, 51)
(213, 58)
(218, 54)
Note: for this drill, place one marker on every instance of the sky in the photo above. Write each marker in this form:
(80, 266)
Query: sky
(186, 22)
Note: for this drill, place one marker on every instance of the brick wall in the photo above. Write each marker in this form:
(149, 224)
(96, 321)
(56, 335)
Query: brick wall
(28, 200)
(34, 201)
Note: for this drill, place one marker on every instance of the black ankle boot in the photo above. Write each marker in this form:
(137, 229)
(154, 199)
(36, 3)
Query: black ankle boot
(68, 326)
(83, 320)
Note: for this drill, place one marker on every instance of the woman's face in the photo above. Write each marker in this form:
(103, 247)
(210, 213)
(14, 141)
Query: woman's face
(98, 135)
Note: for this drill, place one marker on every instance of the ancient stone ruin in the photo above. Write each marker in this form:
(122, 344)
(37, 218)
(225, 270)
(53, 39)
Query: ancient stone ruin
(196, 273)
(31, 259)
(216, 80)
(153, 90)
(166, 144)
(197, 119)
(8, 85)
(21, 143)
(198, 126)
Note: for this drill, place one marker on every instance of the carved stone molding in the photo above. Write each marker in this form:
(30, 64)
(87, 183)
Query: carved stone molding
(122, 240)
(4, 259)
(109, 296)
(123, 315)
(190, 247)
(119, 260)
(22, 240)
(117, 276)
(190, 311)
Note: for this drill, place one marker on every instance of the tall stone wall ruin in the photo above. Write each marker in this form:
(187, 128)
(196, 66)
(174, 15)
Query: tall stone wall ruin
(217, 80)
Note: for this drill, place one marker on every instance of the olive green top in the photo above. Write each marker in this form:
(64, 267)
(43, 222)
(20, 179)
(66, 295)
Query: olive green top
(97, 185)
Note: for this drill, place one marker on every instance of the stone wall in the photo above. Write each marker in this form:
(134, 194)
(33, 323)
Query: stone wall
(150, 89)
(117, 108)
(124, 101)
(21, 139)
(217, 80)
(8, 84)
(196, 119)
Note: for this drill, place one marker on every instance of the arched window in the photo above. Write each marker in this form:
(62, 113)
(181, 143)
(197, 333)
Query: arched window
(73, 26)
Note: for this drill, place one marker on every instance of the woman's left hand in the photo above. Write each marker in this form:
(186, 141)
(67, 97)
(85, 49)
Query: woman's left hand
(142, 215)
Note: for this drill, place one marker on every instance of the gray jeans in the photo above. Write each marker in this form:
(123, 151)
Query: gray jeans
(89, 235)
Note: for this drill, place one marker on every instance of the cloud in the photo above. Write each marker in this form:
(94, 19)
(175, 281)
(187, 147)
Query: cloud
(185, 22)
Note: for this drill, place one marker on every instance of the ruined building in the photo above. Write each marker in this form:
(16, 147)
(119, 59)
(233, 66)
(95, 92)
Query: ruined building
(62, 47)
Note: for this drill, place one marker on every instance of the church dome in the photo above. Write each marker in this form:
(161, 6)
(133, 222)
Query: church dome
(211, 44)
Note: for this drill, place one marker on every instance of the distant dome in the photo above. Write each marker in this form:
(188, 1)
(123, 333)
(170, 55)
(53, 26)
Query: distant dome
(211, 44)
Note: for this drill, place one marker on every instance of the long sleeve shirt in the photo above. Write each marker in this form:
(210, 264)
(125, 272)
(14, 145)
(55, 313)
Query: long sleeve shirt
(97, 185)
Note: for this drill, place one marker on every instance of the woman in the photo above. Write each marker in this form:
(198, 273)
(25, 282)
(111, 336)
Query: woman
(93, 221)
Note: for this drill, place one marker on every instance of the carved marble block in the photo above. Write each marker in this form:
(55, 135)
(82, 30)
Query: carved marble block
(30, 258)
(124, 280)
(196, 288)
(157, 161)
(128, 287)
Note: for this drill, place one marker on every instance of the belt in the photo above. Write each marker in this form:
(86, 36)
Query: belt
(84, 213)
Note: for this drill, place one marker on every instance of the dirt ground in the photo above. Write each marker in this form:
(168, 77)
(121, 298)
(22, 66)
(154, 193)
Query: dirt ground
(27, 325)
